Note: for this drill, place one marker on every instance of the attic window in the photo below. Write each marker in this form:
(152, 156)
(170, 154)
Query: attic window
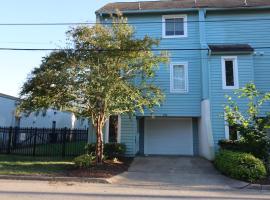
(174, 26)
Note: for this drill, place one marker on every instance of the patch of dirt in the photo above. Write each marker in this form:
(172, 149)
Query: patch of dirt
(108, 169)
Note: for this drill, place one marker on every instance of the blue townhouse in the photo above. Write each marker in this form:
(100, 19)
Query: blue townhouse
(215, 47)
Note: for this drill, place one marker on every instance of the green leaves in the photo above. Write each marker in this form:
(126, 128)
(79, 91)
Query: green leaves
(109, 72)
(250, 122)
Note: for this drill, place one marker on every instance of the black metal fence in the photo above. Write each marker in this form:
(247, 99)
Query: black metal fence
(42, 141)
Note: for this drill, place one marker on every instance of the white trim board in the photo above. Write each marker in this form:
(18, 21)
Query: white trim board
(172, 90)
(164, 17)
(235, 72)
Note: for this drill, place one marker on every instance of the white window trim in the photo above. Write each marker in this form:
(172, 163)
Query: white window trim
(235, 72)
(227, 130)
(107, 126)
(164, 17)
(172, 90)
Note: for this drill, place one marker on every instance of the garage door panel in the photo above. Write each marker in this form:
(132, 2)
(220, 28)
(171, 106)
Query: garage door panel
(168, 137)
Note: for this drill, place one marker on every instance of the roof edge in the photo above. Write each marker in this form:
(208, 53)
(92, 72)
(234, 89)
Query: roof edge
(182, 9)
(9, 97)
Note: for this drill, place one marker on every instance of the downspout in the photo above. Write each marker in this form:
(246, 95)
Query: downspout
(207, 149)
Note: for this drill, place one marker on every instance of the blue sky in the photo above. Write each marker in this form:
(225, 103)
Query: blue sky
(15, 66)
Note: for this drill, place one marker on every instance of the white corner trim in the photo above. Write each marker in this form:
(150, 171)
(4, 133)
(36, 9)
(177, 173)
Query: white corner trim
(107, 129)
(172, 90)
(226, 127)
(164, 17)
(235, 72)
(119, 129)
(107, 125)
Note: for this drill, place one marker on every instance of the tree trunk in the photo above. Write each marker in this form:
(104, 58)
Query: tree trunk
(99, 143)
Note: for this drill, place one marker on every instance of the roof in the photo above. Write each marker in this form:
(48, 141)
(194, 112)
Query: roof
(180, 4)
(227, 48)
(9, 97)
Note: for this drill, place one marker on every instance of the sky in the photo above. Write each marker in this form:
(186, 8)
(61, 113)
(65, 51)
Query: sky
(16, 65)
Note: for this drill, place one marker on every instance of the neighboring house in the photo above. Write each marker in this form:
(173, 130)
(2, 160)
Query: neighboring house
(216, 46)
(52, 118)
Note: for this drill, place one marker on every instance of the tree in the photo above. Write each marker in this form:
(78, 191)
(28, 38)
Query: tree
(106, 72)
(251, 123)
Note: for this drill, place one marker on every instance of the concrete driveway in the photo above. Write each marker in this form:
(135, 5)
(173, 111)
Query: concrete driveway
(178, 171)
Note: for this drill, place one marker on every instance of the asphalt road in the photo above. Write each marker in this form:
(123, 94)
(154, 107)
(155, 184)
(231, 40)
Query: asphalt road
(42, 190)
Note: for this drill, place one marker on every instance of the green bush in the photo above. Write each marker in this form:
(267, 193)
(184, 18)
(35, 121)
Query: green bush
(111, 150)
(242, 166)
(114, 150)
(257, 146)
(84, 161)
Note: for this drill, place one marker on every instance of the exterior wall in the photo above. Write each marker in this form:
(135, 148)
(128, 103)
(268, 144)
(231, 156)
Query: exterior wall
(175, 104)
(205, 99)
(129, 133)
(7, 110)
(217, 94)
(195, 131)
(251, 68)
(63, 119)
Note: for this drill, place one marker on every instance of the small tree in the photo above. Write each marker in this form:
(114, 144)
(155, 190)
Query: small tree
(107, 72)
(251, 123)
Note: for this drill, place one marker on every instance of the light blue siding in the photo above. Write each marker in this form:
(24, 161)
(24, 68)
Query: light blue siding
(128, 133)
(221, 30)
(195, 136)
(217, 95)
(252, 68)
(175, 104)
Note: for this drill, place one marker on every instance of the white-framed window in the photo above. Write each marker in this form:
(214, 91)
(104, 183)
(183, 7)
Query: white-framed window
(113, 129)
(229, 72)
(179, 77)
(174, 26)
(230, 132)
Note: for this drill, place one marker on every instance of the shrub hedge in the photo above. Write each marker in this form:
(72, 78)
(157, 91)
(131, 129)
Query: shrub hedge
(238, 165)
(257, 147)
(111, 150)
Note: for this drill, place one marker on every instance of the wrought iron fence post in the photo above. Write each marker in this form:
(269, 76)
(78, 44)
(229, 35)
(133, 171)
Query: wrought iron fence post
(35, 142)
(64, 142)
(9, 140)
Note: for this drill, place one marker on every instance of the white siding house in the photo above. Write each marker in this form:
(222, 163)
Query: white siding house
(52, 118)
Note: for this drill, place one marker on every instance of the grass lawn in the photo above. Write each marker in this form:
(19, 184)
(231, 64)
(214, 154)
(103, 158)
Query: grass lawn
(71, 149)
(41, 166)
(22, 165)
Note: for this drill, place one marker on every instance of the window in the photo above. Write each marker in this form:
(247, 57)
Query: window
(113, 129)
(179, 77)
(174, 26)
(231, 133)
(230, 72)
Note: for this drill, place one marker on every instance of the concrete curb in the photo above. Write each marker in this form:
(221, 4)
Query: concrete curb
(60, 179)
(258, 187)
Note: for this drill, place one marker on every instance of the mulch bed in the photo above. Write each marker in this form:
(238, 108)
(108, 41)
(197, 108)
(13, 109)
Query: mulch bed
(107, 170)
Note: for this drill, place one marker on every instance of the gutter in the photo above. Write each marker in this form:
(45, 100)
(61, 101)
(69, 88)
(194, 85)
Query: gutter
(183, 10)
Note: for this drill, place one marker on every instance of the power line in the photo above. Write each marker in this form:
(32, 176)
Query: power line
(59, 49)
(100, 50)
(145, 22)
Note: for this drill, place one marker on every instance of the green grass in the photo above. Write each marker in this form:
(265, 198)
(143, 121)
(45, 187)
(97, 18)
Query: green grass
(71, 148)
(22, 165)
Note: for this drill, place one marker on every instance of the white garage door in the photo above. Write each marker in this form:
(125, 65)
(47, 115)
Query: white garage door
(168, 136)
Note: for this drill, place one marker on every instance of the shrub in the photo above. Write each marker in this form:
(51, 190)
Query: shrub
(84, 161)
(111, 150)
(114, 150)
(242, 166)
(259, 147)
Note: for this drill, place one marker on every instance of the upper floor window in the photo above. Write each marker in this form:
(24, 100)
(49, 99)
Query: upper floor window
(174, 26)
(230, 72)
(179, 77)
